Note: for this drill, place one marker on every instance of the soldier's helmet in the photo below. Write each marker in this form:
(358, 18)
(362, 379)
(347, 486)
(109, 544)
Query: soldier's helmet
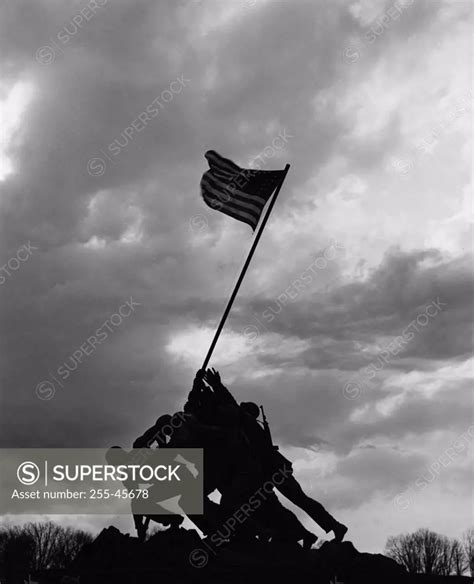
(251, 408)
(162, 422)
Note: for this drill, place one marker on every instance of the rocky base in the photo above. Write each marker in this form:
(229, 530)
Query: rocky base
(181, 556)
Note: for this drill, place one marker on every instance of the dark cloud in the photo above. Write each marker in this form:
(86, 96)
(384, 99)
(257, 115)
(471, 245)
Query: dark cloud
(342, 323)
(136, 227)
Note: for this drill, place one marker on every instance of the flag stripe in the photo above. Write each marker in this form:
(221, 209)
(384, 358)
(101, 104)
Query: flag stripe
(217, 203)
(232, 212)
(252, 222)
(232, 189)
(255, 203)
(232, 208)
(238, 192)
(234, 182)
(247, 207)
(210, 198)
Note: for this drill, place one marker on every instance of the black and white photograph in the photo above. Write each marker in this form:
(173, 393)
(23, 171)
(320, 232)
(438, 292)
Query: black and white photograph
(236, 292)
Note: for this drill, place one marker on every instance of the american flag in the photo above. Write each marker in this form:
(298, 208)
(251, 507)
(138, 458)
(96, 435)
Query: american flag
(238, 192)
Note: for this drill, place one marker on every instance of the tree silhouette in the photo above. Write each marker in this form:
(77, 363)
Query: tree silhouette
(427, 552)
(17, 553)
(468, 545)
(459, 560)
(404, 550)
(39, 546)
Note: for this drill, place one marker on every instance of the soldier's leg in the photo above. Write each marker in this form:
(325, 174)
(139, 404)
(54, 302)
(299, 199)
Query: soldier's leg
(210, 520)
(292, 490)
(286, 525)
(141, 526)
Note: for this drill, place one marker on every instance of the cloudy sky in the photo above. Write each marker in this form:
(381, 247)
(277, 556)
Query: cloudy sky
(353, 324)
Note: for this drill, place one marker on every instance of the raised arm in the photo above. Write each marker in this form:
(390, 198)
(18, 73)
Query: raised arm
(194, 397)
(222, 394)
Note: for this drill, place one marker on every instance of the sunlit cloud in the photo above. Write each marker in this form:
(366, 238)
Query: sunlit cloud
(13, 105)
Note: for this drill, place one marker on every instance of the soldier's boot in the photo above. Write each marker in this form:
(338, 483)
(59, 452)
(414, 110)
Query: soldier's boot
(292, 490)
(339, 531)
(309, 540)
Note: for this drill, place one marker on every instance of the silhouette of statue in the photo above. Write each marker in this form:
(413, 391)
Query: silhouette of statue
(273, 461)
(239, 460)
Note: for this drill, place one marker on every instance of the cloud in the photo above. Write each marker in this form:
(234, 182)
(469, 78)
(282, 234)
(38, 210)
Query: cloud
(351, 324)
(105, 193)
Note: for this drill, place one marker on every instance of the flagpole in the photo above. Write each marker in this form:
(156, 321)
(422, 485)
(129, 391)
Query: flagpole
(244, 269)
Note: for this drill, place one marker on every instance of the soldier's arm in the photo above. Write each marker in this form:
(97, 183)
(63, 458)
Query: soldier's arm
(147, 438)
(194, 396)
(222, 394)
